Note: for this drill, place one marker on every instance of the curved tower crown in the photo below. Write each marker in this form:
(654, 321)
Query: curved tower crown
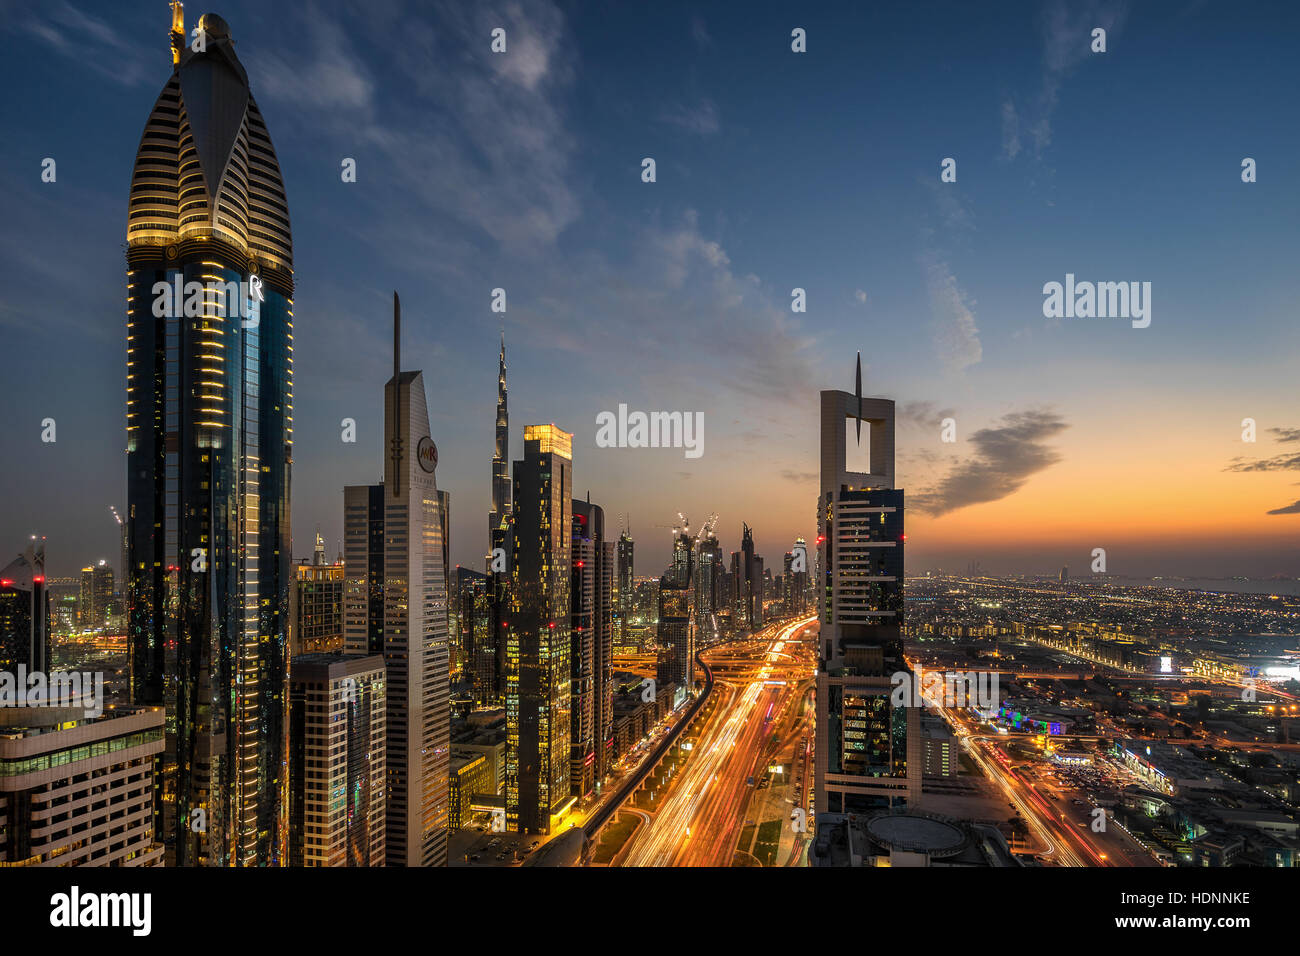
(206, 169)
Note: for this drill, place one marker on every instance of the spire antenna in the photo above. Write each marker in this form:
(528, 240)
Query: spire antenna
(857, 387)
(177, 31)
(397, 397)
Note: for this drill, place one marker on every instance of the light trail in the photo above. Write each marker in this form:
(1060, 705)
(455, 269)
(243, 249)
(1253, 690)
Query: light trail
(699, 818)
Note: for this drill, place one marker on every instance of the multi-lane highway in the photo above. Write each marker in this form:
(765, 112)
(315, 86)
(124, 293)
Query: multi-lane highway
(758, 683)
(1059, 820)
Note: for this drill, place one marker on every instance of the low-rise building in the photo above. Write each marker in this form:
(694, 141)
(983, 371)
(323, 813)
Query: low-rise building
(77, 791)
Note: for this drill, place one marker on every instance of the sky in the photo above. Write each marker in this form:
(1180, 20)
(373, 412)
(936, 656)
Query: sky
(775, 170)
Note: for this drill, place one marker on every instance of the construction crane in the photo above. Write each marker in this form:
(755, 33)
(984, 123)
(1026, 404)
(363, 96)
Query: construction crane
(707, 530)
(683, 525)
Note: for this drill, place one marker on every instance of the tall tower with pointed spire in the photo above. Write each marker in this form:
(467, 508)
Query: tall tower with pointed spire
(867, 749)
(209, 433)
(498, 556)
(395, 604)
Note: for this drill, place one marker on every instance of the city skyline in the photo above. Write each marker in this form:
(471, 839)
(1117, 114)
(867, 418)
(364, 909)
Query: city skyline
(1009, 248)
(675, 295)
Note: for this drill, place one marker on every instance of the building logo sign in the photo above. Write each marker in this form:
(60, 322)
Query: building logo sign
(427, 454)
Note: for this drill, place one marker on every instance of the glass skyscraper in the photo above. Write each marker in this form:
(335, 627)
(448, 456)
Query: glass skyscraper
(209, 451)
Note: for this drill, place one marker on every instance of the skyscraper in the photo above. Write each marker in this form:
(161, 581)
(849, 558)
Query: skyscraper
(796, 574)
(604, 645)
(474, 638)
(123, 572)
(96, 594)
(592, 649)
(500, 460)
(337, 714)
(868, 753)
(209, 424)
(625, 583)
(316, 608)
(709, 571)
(444, 516)
(582, 654)
(25, 612)
(676, 636)
(538, 683)
(747, 574)
(499, 546)
(395, 604)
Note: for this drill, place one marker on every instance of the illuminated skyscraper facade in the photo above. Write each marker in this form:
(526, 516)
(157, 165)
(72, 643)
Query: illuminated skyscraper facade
(337, 767)
(209, 427)
(582, 655)
(316, 609)
(676, 633)
(625, 584)
(592, 649)
(96, 595)
(709, 572)
(538, 686)
(474, 638)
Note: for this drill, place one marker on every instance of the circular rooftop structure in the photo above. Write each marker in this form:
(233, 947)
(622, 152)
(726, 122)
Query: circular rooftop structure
(916, 833)
(214, 26)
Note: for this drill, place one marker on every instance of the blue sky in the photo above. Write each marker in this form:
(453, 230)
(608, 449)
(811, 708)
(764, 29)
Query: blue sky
(775, 170)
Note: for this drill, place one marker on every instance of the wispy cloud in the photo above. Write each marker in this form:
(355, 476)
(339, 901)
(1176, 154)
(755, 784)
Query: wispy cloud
(87, 41)
(955, 335)
(1004, 458)
(1284, 462)
(1067, 38)
(1010, 130)
(702, 118)
(479, 146)
(1277, 463)
(1286, 510)
(953, 326)
(923, 414)
(330, 77)
(700, 33)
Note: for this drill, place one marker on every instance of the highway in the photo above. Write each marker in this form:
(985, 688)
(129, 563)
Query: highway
(1062, 830)
(700, 817)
